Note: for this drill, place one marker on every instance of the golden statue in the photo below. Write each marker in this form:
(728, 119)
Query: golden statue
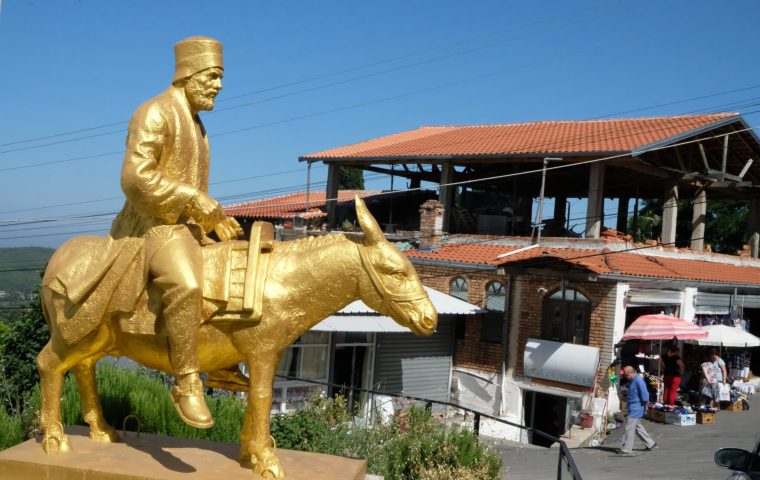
(161, 292)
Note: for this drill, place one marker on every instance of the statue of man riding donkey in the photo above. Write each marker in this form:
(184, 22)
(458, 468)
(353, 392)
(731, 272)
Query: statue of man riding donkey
(159, 290)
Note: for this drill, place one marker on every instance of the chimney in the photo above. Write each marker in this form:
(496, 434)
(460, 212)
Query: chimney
(431, 224)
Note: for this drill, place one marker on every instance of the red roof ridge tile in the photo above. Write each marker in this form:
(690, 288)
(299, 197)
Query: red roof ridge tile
(594, 120)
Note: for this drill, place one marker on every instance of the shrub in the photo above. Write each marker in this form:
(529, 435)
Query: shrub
(412, 446)
(11, 430)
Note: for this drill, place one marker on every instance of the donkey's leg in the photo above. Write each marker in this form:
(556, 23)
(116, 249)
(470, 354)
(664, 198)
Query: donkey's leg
(52, 371)
(254, 438)
(92, 412)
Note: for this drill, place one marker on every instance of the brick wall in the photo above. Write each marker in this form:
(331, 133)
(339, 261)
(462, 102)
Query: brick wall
(469, 352)
(601, 295)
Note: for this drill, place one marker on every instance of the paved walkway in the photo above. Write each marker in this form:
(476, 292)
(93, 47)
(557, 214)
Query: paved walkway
(683, 453)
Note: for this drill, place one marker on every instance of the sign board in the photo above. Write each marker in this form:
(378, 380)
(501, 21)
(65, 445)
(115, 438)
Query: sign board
(561, 362)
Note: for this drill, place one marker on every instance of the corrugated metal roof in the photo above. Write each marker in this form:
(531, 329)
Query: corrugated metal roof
(359, 323)
(444, 304)
(568, 137)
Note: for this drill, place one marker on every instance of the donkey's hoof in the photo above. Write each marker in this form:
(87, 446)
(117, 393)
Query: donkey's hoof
(55, 443)
(267, 464)
(106, 435)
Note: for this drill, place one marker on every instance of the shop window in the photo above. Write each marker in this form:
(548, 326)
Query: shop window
(566, 317)
(307, 358)
(492, 327)
(458, 288)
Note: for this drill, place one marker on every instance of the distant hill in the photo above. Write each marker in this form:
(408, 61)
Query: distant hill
(18, 266)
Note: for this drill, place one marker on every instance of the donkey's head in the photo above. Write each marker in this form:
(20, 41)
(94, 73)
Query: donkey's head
(392, 286)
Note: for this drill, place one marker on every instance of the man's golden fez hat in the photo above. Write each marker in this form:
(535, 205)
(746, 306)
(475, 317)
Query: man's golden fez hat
(194, 54)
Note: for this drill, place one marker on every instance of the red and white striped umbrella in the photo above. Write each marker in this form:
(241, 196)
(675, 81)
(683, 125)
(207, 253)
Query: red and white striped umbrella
(663, 327)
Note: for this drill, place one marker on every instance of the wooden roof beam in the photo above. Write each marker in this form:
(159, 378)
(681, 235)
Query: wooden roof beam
(641, 167)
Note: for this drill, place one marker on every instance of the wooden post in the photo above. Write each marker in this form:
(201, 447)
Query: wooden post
(670, 214)
(622, 215)
(446, 192)
(595, 207)
(333, 173)
(698, 218)
(560, 217)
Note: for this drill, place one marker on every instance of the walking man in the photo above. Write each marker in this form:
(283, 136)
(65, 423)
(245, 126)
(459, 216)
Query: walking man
(637, 400)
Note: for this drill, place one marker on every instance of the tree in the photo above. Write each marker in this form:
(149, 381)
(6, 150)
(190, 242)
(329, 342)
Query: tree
(20, 341)
(725, 224)
(350, 178)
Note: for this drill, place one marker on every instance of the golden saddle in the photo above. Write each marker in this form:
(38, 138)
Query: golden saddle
(234, 276)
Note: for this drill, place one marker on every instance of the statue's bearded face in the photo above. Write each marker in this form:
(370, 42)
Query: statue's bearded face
(201, 88)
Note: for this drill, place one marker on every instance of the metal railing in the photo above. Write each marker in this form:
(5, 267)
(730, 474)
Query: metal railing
(566, 468)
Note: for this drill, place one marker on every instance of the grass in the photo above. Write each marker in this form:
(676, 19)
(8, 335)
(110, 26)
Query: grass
(411, 446)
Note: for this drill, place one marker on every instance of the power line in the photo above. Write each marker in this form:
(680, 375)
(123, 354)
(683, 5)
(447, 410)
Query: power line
(451, 184)
(349, 70)
(121, 197)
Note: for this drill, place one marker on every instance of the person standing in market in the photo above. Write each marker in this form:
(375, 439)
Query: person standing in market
(720, 364)
(636, 402)
(673, 370)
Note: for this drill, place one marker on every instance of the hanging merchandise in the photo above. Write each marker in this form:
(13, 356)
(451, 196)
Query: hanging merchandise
(612, 376)
(724, 392)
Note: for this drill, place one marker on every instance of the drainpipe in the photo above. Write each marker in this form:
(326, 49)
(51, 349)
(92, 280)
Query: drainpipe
(505, 346)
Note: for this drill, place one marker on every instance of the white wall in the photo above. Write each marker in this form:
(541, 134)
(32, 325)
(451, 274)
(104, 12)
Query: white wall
(475, 389)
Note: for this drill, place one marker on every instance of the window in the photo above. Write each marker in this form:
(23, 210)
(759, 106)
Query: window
(566, 317)
(492, 323)
(458, 288)
(307, 358)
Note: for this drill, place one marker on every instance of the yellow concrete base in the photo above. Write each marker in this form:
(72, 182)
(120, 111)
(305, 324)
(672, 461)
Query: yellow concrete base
(157, 457)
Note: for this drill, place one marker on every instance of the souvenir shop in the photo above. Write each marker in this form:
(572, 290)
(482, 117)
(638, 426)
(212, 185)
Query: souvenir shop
(737, 310)
(650, 336)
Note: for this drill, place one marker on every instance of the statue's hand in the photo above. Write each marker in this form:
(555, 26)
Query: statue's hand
(228, 229)
(206, 211)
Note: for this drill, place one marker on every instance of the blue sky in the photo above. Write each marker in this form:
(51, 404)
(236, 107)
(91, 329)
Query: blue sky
(304, 76)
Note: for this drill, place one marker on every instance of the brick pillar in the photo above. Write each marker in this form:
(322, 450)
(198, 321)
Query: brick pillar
(431, 223)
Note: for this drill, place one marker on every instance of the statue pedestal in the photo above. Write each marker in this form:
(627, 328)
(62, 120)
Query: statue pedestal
(157, 457)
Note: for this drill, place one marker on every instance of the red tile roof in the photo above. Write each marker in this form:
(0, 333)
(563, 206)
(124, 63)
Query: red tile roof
(584, 136)
(714, 268)
(292, 205)
(476, 253)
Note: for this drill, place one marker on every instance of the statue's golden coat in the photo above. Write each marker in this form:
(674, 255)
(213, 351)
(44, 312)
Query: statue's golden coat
(166, 163)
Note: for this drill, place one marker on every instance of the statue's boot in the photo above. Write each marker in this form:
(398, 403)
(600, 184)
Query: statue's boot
(228, 379)
(190, 402)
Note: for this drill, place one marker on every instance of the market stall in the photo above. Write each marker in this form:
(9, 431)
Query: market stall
(660, 327)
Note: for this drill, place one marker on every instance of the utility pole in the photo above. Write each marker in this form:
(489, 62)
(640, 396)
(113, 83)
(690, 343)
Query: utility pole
(538, 226)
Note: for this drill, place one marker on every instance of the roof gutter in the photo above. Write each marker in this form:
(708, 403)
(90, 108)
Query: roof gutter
(682, 136)
(446, 263)
(691, 283)
(539, 156)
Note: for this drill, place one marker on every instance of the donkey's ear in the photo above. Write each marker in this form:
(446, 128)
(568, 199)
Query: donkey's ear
(372, 232)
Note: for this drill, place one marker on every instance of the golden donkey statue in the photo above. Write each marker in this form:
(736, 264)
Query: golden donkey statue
(305, 281)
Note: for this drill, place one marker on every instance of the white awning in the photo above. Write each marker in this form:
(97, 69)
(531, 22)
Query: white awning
(359, 323)
(444, 304)
(358, 317)
(639, 297)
